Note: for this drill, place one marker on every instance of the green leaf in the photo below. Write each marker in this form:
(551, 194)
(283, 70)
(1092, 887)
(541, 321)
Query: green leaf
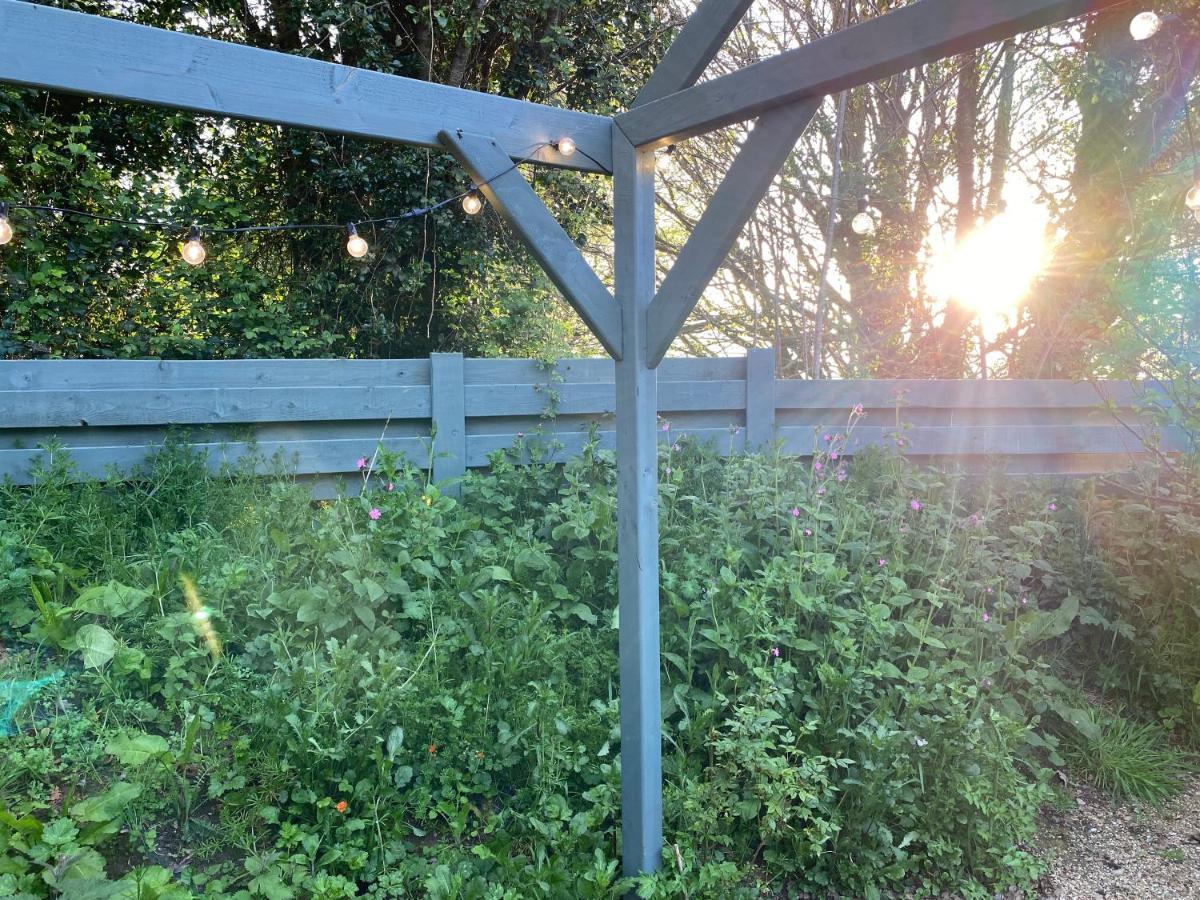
(107, 806)
(395, 740)
(112, 599)
(97, 645)
(137, 749)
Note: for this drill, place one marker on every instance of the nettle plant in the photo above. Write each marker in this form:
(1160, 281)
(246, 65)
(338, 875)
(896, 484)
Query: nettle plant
(396, 692)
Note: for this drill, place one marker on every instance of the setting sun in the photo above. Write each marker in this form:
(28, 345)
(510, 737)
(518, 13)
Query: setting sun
(992, 270)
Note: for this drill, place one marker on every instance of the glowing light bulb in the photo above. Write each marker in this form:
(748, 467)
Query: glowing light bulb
(472, 204)
(565, 146)
(1193, 198)
(6, 229)
(1145, 25)
(355, 245)
(864, 223)
(193, 251)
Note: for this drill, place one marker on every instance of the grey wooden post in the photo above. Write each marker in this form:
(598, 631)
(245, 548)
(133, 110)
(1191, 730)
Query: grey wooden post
(760, 398)
(447, 388)
(637, 513)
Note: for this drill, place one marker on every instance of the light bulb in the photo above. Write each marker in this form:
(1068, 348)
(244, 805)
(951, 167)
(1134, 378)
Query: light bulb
(355, 245)
(193, 251)
(1193, 198)
(6, 229)
(472, 204)
(565, 146)
(863, 223)
(1145, 25)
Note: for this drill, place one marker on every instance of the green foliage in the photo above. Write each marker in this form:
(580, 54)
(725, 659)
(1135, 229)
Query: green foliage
(82, 288)
(863, 676)
(1128, 760)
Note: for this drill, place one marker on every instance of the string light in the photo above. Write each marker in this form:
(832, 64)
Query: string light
(565, 147)
(193, 251)
(6, 229)
(866, 221)
(1192, 200)
(355, 245)
(472, 203)
(1145, 25)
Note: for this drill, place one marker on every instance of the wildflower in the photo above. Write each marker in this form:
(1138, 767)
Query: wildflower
(479, 754)
(362, 463)
(433, 749)
(818, 465)
(986, 684)
(520, 434)
(808, 532)
(389, 487)
(986, 617)
(375, 513)
(882, 561)
(1024, 600)
(989, 590)
(821, 492)
(428, 500)
(858, 409)
(920, 742)
(828, 438)
(666, 426)
(668, 470)
(342, 806)
(1052, 507)
(675, 447)
(775, 652)
(842, 475)
(973, 520)
(833, 455)
(915, 504)
(795, 512)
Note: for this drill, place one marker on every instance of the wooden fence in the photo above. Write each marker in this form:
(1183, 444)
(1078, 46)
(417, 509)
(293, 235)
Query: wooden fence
(318, 417)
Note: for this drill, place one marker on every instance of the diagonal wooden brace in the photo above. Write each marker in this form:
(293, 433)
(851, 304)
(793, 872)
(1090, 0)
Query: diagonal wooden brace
(757, 163)
(507, 190)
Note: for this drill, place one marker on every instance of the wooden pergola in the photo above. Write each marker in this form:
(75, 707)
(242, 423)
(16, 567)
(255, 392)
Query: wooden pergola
(44, 47)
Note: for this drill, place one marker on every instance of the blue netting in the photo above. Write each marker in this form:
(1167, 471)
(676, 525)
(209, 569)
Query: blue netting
(14, 695)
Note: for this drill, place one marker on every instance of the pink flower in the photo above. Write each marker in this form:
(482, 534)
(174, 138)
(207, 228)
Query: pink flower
(362, 463)
(986, 617)
(842, 475)
(775, 652)
(389, 487)
(1052, 507)
(833, 455)
(808, 532)
(795, 512)
(821, 492)
(375, 513)
(973, 520)
(818, 465)
(666, 426)
(858, 409)
(882, 561)
(828, 438)
(915, 504)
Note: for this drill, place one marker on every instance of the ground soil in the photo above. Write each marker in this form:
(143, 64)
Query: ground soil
(1115, 851)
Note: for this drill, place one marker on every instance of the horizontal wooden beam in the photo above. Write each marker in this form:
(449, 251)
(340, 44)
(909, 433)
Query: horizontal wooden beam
(693, 48)
(886, 45)
(44, 47)
(506, 189)
(741, 190)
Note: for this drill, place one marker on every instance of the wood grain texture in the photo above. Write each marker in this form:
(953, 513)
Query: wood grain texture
(449, 420)
(886, 45)
(68, 51)
(508, 191)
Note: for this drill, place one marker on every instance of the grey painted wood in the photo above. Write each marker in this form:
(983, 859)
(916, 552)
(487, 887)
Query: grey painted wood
(191, 406)
(741, 190)
(68, 51)
(507, 190)
(501, 399)
(878, 48)
(798, 394)
(976, 441)
(449, 423)
(118, 374)
(637, 514)
(760, 398)
(694, 47)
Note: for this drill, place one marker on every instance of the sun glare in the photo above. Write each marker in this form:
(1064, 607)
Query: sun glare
(993, 268)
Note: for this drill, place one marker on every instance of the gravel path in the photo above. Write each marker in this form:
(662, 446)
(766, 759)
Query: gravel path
(1123, 852)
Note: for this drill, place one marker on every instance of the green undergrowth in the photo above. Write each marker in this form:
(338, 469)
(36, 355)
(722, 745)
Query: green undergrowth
(866, 678)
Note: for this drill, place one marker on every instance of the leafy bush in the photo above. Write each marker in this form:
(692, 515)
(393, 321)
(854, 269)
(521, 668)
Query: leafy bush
(407, 693)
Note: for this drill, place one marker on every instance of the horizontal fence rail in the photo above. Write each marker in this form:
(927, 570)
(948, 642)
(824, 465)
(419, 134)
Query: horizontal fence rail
(316, 418)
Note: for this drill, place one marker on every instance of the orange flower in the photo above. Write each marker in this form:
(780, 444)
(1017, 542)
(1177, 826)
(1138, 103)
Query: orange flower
(342, 806)
(433, 749)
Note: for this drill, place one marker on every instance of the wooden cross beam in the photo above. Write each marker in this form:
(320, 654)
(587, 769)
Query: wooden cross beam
(913, 35)
(52, 48)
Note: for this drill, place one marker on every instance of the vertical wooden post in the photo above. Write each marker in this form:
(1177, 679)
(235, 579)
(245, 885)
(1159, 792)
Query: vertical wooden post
(637, 513)
(760, 398)
(447, 388)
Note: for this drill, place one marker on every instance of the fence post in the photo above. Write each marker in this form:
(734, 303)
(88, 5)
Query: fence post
(448, 421)
(760, 398)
